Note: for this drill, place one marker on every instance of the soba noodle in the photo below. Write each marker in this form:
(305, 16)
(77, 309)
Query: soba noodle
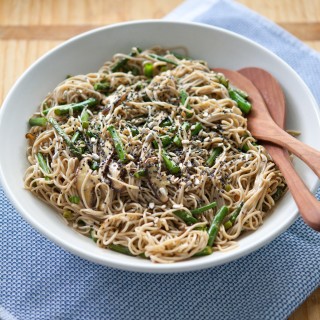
(123, 194)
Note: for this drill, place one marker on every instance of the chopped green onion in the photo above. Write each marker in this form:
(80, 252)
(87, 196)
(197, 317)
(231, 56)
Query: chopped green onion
(177, 141)
(165, 123)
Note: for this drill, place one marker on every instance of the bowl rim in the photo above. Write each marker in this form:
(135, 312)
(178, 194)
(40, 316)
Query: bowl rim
(182, 266)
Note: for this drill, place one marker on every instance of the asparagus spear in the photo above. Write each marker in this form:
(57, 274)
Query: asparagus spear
(74, 150)
(233, 217)
(223, 80)
(215, 225)
(244, 105)
(42, 163)
(183, 99)
(40, 121)
(197, 128)
(118, 143)
(121, 63)
(84, 118)
(148, 70)
(75, 137)
(160, 58)
(122, 249)
(140, 173)
(74, 199)
(214, 155)
(169, 163)
(203, 208)
(103, 87)
(186, 217)
(64, 109)
(165, 123)
(165, 140)
(204, 252)
(177, 141)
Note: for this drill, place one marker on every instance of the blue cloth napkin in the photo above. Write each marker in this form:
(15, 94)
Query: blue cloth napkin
(39, 280)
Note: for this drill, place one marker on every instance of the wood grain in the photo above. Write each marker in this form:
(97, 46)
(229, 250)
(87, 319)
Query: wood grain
(18, 52)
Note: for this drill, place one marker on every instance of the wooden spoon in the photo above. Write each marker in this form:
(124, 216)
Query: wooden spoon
(269, 88)
(262, 126)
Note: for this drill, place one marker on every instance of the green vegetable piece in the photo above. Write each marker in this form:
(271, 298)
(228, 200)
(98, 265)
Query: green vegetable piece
(233, 217)
(165, 140)
(160, 58)
(170, 164)
(122, 62)
(74, 199)
(228, 187)
(118, 144)
(165, 123)
(244, 105)
(203, 208)
(242, 93)
(183, 99)
(76, 107)
(215, 225)
(134, 130)
(197, 128)
(186, 217)
(186, 126)
(84, 118)
(43, 163)
(148, 70)
(67, 214)
(177, 141)
(95, 165)
(73, 149)
(214, 155)
(40, 121)
(140, 174)
(92, 235)
(103, 87)
(278, 194)
(75, 137)
(179, 56)
(119, 248)
(223, 80)
(204, 252)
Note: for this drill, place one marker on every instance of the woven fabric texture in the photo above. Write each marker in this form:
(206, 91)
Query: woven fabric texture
(39, 280)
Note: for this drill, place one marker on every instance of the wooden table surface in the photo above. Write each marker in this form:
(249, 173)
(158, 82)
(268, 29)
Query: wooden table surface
(29, 28)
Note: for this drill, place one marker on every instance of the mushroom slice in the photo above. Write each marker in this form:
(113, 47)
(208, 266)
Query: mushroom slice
(86, 183)
(157, 180)
(115, 175)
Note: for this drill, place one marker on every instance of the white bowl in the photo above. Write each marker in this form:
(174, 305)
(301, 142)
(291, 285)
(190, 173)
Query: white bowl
(86, 53)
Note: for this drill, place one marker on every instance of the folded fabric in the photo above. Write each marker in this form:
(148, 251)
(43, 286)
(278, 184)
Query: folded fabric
(39, 280)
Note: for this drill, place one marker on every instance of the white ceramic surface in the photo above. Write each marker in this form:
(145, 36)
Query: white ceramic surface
(86, 53)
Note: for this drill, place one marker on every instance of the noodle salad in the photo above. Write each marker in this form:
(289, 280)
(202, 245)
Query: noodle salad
(151, 157)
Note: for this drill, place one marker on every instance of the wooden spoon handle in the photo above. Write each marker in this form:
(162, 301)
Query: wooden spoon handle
(308, 205)
(306, 153)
